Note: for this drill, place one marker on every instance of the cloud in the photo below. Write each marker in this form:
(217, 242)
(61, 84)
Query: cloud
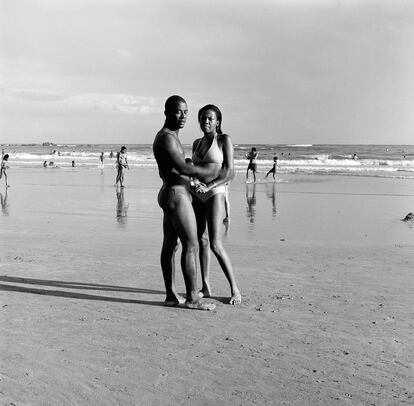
(37, 95)
(113, 103)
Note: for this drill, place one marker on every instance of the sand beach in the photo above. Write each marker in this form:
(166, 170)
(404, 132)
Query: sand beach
(325, 267)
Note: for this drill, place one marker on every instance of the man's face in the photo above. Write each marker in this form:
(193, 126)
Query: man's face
(178, 115)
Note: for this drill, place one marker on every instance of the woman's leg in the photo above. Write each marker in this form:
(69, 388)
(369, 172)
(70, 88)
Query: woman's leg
(204, 247)
(215, 213)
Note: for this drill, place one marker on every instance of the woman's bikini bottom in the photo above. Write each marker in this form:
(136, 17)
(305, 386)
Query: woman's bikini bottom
(203, 197)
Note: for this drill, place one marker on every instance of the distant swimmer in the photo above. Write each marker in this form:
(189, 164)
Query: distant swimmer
(355, 157)
(45, 164)
(3, 168)
(251, 156)
(111, 155)
(121, 164)
(273, 170)
(101, 158)
(73, 164)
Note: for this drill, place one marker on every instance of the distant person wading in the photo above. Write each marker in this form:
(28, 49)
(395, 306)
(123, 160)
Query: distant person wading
(121, 164)
(252, 156)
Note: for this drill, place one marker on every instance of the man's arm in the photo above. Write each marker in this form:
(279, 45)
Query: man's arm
(172, 148)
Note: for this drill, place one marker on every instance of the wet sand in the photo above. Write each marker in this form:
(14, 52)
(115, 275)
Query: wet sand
(323, 262)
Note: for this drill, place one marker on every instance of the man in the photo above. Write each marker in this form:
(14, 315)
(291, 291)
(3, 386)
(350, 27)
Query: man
(175, 200)
(122, 164)
(251, 156)
(3, 168)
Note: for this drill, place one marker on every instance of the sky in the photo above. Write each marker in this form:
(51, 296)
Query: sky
(281, 71)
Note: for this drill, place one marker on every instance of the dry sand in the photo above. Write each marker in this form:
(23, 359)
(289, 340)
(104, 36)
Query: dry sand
(324, 264)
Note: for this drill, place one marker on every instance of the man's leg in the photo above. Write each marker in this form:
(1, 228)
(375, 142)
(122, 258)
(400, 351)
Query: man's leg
(169, 247)
(121, 176)
(185, 225)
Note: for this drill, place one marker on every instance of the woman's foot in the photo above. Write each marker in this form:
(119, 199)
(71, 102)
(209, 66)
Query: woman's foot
(236, 297)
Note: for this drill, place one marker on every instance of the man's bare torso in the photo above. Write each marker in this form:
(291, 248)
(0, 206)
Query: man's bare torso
(165, 144)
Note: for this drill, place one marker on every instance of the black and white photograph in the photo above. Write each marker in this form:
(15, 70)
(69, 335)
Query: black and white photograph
(207, 202)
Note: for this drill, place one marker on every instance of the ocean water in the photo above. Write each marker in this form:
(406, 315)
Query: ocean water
(391, 161)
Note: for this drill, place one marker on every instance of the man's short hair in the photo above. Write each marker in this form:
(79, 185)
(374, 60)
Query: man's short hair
(172, 102)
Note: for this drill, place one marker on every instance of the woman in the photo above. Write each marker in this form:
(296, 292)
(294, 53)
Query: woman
(214, 151)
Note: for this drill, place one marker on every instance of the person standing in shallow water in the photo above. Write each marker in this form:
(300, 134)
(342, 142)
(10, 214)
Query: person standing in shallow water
(213, 151)
(121, 164)
(251, 156)
(273, 170)
(174, 198)
(3, 168)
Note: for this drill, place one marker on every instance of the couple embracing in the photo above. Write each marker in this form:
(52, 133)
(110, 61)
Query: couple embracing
(192, 198)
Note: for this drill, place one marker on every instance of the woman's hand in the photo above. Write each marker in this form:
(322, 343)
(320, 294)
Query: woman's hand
(201, 187)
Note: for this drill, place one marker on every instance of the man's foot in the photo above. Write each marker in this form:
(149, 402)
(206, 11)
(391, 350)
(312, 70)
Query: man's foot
(174, 301)
(235, 298)
(205, 292)
(199, 306)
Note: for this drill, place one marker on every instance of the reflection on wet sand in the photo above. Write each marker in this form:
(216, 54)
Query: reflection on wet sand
(121, 207)
(251, 201)
(4, 204)
(271, 194)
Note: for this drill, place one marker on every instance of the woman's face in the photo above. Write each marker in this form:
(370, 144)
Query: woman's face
(209, 122)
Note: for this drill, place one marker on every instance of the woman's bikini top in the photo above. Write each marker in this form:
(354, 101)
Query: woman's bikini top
(214, 154)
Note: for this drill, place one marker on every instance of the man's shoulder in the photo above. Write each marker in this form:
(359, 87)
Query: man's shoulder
(164, 137)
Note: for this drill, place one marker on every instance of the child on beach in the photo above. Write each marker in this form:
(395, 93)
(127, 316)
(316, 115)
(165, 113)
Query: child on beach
(3, 168)
(273, 170)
